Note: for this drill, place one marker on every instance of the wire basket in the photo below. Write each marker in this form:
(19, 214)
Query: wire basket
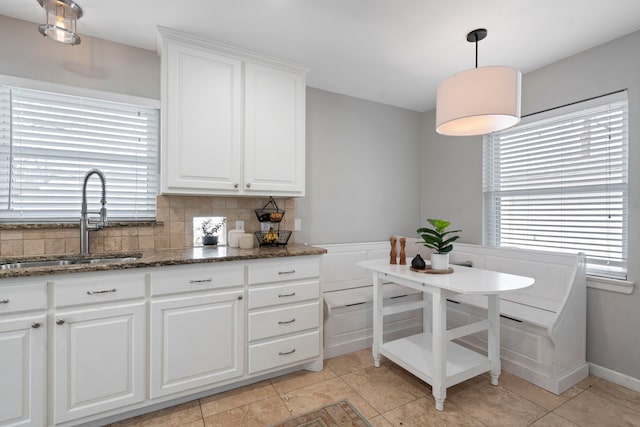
(270, 212)
(273, 238)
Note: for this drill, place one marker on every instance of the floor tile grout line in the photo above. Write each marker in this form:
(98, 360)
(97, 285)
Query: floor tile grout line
(201, 413)
(606, 396)
(240, 406)
(525, 397)
(361, 397)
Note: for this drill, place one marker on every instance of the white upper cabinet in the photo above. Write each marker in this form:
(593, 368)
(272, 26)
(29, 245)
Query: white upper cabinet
(274, 130)
(233, 120)
(202, 117)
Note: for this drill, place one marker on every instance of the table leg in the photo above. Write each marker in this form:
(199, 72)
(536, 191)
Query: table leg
(439, 345)
(377, 319)
(494, 337)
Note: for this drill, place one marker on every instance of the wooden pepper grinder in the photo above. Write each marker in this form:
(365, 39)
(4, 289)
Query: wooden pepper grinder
(393, 251)
(403, 255)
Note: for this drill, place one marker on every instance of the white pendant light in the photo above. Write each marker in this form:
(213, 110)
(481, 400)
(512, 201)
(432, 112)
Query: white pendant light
(61, 17)
(478, 101)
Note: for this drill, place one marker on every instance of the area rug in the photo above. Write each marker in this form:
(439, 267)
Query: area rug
(338, 414)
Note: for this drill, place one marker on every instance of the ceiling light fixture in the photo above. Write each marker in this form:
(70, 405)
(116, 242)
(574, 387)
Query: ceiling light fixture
(61, 17)
(478, 101)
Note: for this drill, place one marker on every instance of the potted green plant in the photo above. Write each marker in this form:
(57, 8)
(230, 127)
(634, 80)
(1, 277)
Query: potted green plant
(440, 240)
(209, 230)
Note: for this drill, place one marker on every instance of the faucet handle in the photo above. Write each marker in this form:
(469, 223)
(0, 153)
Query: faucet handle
(103, 216)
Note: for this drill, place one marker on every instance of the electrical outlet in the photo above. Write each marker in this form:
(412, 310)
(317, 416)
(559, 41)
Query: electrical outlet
(297, 224)
(264, 226)
(240, 225)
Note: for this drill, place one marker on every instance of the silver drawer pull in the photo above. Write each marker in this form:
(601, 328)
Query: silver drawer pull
(292, 294)
(286, 272)
(284, 322)
(60, 322)
(104, 291)
(35, 325)
(284, 353)
(210, 279)
(4, 301)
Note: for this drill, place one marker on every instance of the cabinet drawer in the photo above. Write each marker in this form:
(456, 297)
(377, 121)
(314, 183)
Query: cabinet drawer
(284, 351)
(191, 278)
(290, 268)
(23, 297)
(98, 288)
(285, 320)
(284, 293)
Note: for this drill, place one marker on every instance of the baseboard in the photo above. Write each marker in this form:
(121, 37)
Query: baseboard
(570, 378)
(614, 376)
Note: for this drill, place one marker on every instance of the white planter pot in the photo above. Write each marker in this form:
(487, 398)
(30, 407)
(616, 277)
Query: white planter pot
(440, 261)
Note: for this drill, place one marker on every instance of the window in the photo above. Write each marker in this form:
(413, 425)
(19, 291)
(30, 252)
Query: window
(48, 141)
(558, 182)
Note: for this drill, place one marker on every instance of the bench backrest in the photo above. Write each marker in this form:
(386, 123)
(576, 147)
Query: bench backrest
(553, 272)
(338, 269)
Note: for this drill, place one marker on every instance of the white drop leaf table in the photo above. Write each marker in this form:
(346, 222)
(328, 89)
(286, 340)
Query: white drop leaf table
(431, 355)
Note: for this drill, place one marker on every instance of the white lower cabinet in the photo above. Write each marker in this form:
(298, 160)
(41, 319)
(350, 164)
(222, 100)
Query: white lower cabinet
(99, 359)
(285, 315)
(196, 340)
(83, 347)
(22, 370)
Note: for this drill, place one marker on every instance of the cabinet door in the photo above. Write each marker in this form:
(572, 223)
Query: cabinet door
(99, 360)
(22, 371)
(274, 136)
(196, 340)
(201, 121)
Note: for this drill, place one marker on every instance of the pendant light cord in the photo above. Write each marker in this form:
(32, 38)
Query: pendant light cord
(474, 37)
(476, 50)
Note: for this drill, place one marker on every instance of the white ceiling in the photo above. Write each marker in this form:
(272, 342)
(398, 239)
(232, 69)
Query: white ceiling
(390, 51)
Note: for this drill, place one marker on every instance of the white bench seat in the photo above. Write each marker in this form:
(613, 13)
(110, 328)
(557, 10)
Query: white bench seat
(512, 310)
(543, 328)
(348, 300)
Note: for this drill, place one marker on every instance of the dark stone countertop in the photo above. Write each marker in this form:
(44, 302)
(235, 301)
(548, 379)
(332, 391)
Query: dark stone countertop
(153, 258)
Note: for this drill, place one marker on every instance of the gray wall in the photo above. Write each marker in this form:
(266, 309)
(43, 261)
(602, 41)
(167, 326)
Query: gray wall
(363, 168)
(613, 319)
(94, 63)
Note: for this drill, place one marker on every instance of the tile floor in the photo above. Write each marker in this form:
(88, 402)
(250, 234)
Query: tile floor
(389, 396)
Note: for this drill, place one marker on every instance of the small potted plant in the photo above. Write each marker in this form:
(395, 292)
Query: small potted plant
(439, 240)
(209, 230)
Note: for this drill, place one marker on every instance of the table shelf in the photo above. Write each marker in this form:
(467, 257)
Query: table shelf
(414, 354)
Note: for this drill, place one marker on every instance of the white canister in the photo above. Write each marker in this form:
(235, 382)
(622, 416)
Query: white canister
(246, 241)
(233, 239)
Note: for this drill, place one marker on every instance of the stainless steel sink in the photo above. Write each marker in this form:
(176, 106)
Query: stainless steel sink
(67, 262)
(108, 260)
(29, 264)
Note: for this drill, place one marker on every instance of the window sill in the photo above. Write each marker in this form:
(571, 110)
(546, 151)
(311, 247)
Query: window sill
(52, 225)
(611, 285)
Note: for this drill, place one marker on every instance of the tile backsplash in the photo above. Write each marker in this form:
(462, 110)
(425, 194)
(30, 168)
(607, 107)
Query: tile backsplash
(174, 228)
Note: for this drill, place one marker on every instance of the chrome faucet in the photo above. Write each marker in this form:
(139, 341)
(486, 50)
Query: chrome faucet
(85, 223)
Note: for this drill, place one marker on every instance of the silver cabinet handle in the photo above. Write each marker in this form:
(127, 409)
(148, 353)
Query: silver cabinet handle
(4, 301)
(286, 295)
(59, 322)
(248, 185)
(35, 325)
(284, 353)
(284, 322)
(210, 279)
(286, 272)
(104, 291)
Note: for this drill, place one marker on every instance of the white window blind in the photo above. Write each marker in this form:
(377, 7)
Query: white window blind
(48, 141)
(560, 184)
